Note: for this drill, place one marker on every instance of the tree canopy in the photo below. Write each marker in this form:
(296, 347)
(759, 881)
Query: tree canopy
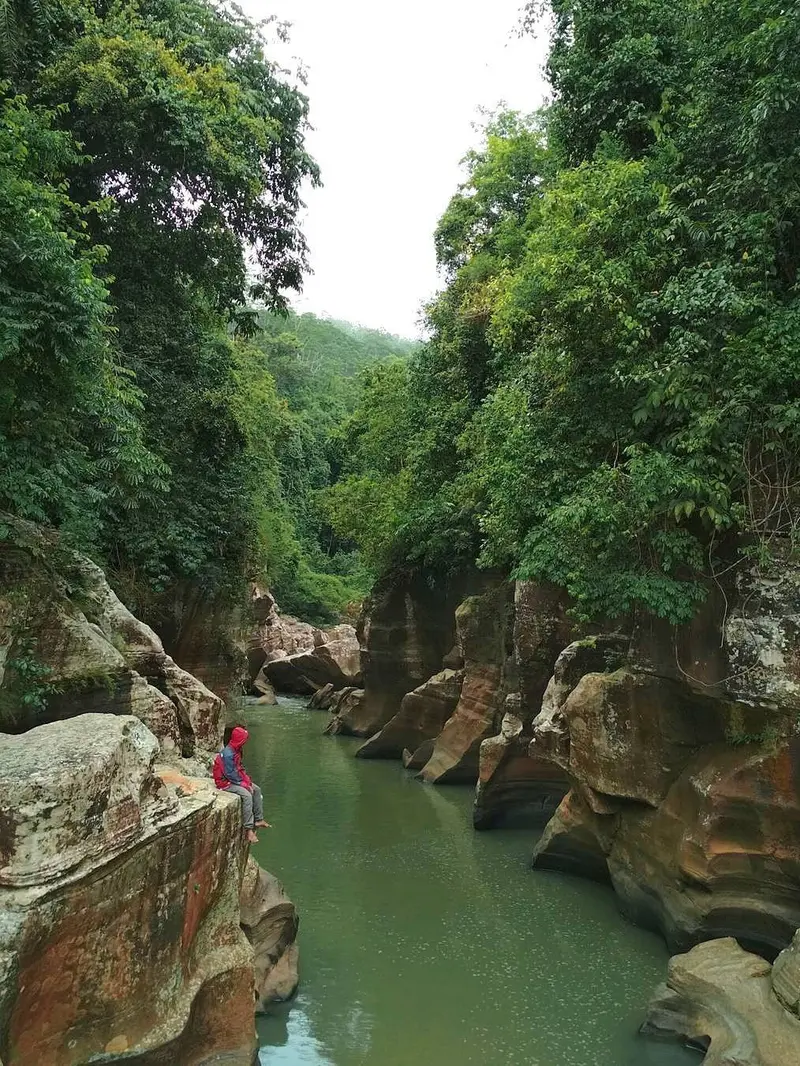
(151, 163)
(609, 399)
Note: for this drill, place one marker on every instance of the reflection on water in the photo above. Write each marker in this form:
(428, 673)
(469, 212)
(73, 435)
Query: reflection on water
(424, 943)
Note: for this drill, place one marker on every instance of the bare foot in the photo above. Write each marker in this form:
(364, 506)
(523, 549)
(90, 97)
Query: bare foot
(263, 825)
(250, 837)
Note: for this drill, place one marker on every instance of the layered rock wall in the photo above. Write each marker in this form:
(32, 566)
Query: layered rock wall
(664, 760)
(407, 631)
(685, 771)
(207, 636)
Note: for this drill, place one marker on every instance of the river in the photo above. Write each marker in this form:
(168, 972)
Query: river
(423, 943)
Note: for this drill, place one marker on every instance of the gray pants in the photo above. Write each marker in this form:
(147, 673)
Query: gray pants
(252, 805)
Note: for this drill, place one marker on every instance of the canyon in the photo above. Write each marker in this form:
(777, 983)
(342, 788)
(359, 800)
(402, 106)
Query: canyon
(661, 760)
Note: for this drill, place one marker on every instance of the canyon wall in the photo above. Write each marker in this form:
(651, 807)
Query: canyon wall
(293, 656)
(665, 760)
(134, 925)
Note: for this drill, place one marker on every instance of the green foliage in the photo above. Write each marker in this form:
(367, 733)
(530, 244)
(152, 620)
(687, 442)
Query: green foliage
(70, 440)
(609, 399)
(320, 368)
(154, 143)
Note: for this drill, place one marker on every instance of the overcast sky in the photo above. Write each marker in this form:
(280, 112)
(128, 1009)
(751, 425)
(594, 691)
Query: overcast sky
(394, 91)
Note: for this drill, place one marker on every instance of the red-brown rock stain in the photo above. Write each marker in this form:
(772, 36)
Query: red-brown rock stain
(91, 969)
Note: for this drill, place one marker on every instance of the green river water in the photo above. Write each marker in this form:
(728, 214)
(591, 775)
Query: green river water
(424, 943)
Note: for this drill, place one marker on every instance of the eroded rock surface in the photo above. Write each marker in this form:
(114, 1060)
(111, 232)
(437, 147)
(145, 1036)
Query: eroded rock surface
(722, 998)
(119, 897)
(269, 920)
(685, 773)
(407, 629)
(483, 627)
(422, 716)
(93, 655)
(120, 864)
(514, 782)
(346, 711)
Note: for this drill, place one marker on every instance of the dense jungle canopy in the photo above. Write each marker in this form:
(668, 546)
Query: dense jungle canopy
(608, 398)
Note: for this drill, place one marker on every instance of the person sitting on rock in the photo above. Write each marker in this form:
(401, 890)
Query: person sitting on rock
(229, 774)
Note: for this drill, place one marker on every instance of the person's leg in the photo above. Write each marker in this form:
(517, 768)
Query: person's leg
(258, 804)
(247, 804)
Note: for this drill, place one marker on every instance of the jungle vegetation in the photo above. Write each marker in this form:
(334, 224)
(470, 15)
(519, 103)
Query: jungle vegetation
(151, 162)
(610, 398)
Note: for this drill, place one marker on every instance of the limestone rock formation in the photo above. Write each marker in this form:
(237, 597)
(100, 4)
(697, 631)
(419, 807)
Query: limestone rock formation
(514, 782)
(422, 716)
(407, 629)
(119, 891)
(120, 864)
(483, 630)
(685, 772)
(346, 708)
(269, 920)
(262, 687)
(786, 976)
(334, 658)
(92, 655)
(274, 635)
(322, 698)
(206, 636)
(723, 999)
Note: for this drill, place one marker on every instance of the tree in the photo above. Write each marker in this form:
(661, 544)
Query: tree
(70, 440)
(609, 399)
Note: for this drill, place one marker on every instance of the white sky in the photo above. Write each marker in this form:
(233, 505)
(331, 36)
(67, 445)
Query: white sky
(394, 91)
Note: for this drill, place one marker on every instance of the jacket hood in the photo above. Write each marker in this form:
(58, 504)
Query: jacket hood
(238, 737)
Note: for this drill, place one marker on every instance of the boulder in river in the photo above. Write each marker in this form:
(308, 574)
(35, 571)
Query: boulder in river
(723, 999)
(422, 716)
(263, 689)
(345, 705)
(322, 698)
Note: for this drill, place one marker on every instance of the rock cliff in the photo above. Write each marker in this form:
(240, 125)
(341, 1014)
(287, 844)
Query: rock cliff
(407, 630)
(133, 927)
(664, 760)
(684, 760)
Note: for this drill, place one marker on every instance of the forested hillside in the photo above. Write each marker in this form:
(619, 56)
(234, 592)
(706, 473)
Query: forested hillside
(610, 398)
(320, 368)
(147, 151)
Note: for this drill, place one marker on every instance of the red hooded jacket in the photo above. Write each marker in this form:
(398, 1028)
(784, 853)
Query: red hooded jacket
(228, 769)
